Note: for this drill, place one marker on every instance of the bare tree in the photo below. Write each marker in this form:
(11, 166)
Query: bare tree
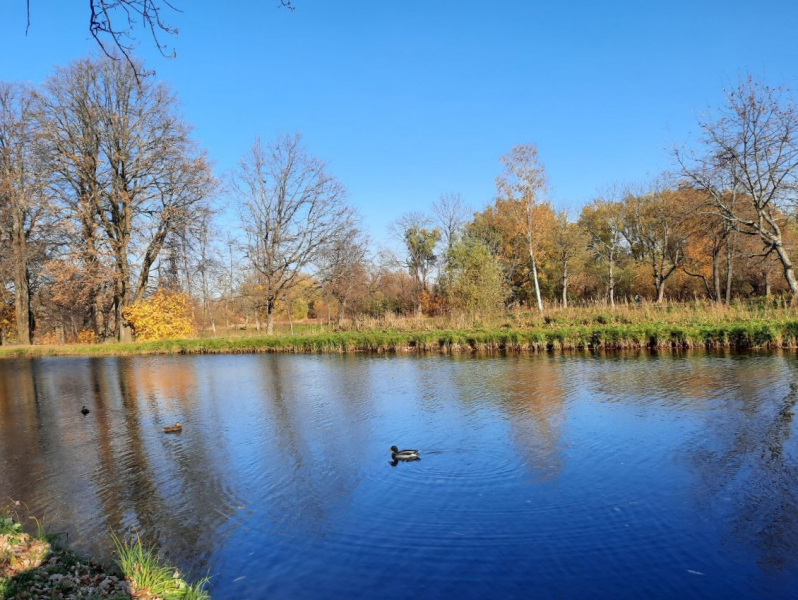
(68, 118)
(24, 208)
(128, 167)
(292, 210)
(342, 267)
(523, 183)
(451, 213)
(749, 165)
(207, 260)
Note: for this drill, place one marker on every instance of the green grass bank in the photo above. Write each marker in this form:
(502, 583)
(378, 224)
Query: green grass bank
(743, 334)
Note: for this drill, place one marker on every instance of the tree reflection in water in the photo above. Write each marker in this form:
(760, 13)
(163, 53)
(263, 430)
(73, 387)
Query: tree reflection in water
(127, 475)
(746, 462)
(530, 391)
(312, 420)
(564, 463)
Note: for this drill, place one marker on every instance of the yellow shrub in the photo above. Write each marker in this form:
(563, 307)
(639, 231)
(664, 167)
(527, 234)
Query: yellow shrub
(86, 336)
(163, 315)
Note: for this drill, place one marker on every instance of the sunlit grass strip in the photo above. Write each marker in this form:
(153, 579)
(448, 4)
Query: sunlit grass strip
(613, 336)
(149, 575)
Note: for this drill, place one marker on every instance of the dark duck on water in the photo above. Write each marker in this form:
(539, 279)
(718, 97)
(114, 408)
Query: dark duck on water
(397, 454)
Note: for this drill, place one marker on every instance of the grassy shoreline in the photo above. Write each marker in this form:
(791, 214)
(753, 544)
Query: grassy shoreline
(38, 566)
(741, 334)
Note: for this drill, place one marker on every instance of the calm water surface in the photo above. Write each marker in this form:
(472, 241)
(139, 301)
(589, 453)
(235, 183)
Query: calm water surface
(632, 476)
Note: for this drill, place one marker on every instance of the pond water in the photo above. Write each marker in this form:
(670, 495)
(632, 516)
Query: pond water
(552, 476)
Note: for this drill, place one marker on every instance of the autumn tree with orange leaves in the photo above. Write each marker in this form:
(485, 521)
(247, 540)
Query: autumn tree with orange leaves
(748, 165)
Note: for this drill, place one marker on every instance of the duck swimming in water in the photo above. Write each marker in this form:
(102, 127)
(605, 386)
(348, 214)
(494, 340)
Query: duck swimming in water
(397, 454)
(176, 428)
(84, 411)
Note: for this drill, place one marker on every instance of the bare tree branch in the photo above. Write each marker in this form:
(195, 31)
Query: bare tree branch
(112, 24)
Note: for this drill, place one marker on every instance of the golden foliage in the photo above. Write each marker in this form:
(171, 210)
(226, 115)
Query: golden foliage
(6, 316)
(49, 338)
(86, 336)
(164, 315)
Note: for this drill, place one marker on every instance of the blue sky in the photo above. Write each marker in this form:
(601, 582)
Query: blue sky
(410, 99)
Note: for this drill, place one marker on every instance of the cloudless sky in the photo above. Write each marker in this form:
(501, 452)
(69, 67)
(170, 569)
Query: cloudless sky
(409, 99)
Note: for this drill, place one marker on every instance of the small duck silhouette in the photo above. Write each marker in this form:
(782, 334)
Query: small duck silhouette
(84, 411)
(176, 428)
(397, 454)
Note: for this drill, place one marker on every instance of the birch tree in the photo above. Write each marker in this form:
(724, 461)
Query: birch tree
(523, 183)
(602, 220)
(568, 241)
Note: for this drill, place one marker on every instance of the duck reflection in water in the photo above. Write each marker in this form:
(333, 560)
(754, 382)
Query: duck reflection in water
(396, 461)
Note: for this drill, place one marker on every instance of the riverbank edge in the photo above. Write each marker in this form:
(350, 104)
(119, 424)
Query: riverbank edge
(743, 335)
(40, 566)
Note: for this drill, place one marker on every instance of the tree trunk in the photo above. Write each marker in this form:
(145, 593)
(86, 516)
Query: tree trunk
(716, 275)
(729, 256)
(535, 278)
(22, 301)
(660, 285)
(565, 287)
(125, 333)
(21, 280)
(94, 323)
(612, 281)
(789, 273)
(270, 317)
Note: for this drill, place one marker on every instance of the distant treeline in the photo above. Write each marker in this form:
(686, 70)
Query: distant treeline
(105, 198)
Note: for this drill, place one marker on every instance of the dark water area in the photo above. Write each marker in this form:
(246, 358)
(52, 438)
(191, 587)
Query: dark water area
(553, 476)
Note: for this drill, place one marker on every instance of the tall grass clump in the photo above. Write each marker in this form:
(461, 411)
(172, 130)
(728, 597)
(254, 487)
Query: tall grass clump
(147, 573)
